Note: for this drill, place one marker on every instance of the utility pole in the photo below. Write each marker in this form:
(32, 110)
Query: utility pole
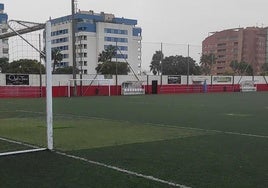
(188, 66)
(73, 48)
(161, 62)
(40, 67)
(116, 74)
(81, 67)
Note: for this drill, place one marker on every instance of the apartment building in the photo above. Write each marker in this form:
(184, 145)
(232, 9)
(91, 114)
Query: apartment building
(3, 28)
(94, 32)
(239, 44)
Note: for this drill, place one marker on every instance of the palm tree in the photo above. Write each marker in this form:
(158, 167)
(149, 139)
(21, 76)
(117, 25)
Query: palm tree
(155, 66)
(107, 54)
(56, 57)
(105, 57)
(207, 61)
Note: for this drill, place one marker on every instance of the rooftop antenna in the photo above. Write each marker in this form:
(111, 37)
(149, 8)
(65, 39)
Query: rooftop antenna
(76, 5)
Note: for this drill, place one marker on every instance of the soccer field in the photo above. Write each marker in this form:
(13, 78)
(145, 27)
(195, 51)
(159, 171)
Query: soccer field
(194, 140)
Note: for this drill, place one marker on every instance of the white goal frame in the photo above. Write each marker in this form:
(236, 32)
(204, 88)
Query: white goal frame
(49, 113)
(107, 81)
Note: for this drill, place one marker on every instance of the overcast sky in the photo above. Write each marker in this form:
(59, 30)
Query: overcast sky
(176, 23)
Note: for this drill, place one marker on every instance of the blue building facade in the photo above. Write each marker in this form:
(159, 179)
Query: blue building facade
(94, 33)
(4, 50)
(3, 16)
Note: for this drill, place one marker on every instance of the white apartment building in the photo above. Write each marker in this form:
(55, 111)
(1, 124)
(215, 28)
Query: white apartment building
(94, 32)
(3, 29)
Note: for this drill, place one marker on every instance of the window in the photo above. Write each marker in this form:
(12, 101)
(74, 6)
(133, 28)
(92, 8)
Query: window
(114, 39)
(221, 44)
(115, 31)
(121, 56)
(5, 50)
(64, 56)
(59, 32)
(59, 40)
(5, 41)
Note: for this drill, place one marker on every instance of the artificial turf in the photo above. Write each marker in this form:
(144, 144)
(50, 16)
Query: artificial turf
(199, 140)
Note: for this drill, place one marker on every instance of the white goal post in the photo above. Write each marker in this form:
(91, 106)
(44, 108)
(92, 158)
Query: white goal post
(91, 82)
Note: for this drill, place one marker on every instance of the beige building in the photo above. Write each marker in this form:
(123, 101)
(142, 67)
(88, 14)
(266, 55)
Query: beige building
(241, 44)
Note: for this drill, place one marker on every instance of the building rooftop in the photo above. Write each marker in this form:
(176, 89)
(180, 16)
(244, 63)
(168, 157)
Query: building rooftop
(96, 17)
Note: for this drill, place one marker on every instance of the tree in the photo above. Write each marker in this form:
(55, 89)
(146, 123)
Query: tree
(66, 70)
(178, 65)
(207, 62)
(241, 68)
(107, 66)
(235, 66)
(107, 54)
(264, 69)
(56, 57)
(26, 66)
(155, 66)
(110, 68)
(3, 64)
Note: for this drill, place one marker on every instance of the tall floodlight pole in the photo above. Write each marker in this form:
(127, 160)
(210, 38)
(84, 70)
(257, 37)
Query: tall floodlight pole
(116, 74)
(49, 87)
(188, 66)
(161, 61)
(73, 48)
(81, 67)
(40, 68)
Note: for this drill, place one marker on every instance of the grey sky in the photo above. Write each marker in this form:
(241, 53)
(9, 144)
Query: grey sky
(178, 22)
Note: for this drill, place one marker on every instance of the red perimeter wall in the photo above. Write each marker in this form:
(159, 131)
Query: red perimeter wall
(62, 91)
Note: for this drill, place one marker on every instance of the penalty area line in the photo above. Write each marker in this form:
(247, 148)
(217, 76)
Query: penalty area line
(22, 151)
(122, 170)
(34, 148)
(19, 143)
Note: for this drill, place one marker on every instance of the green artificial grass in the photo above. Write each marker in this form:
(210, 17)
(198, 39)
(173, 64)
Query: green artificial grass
(179, 138)
(47, 169)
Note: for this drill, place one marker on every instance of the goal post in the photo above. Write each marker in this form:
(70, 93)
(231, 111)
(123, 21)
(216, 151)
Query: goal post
(87, 83)
(49, 87)
(26, 125)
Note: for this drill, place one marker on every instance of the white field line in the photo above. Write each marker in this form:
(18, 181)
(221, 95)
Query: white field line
(160, 125)
(88, 161)
(22, 151)
(123, 170)
(19, 143)
(155, 124)
(35, 148)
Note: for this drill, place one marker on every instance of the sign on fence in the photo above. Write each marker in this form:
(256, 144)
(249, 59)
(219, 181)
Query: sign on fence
(174, 79)
(17, 79)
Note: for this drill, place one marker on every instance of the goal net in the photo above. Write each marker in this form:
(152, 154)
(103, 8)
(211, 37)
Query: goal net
(89, 87)
(23, 119)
